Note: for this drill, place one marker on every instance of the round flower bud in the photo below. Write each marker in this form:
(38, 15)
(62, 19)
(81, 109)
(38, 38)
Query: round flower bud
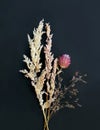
(64, 61)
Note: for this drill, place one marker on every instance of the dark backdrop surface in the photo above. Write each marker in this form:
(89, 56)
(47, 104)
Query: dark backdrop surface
(76, 28)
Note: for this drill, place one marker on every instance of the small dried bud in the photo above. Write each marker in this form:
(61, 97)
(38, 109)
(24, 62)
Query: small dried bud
(64, 61)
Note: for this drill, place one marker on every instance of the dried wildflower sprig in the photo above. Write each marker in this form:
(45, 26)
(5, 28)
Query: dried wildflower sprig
(66, 96)
(43, 77)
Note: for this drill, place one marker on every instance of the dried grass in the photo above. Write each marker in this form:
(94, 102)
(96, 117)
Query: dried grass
(49, 92)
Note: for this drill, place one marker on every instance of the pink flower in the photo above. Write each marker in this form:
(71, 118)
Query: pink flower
(64, 61)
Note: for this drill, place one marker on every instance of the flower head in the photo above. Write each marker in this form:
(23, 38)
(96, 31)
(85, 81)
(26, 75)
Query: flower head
(64, 61)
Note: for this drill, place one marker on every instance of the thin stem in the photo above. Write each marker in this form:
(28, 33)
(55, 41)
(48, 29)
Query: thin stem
(48, 116)
(45, 126)
(45, 121)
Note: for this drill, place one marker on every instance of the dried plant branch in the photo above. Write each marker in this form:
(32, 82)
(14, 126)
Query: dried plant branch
(48, 88)
(71, 91)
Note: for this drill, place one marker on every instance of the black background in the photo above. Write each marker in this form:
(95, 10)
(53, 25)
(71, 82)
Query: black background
(76, 28)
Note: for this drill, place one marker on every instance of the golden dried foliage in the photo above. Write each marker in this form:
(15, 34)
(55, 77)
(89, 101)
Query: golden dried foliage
(44, 84)
(43, 79)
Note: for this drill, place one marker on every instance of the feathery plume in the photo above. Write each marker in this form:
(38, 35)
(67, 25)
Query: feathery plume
(46, 80)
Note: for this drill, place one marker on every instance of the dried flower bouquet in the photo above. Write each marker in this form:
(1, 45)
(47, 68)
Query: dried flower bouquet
(44, 74)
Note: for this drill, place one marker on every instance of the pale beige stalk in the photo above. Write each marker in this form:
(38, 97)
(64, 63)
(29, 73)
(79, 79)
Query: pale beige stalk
(43, 80)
